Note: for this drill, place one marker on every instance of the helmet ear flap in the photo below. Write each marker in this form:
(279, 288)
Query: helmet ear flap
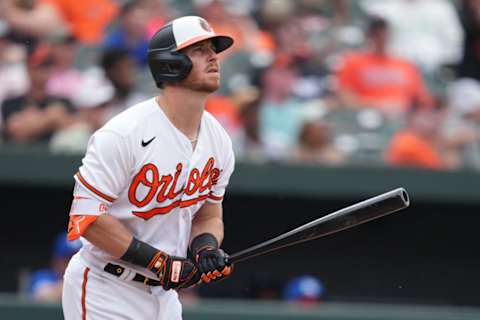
(168, 66)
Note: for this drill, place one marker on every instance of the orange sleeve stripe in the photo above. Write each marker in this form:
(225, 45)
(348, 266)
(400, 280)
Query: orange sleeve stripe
(211, 196)
(89, 187)
(78, 224)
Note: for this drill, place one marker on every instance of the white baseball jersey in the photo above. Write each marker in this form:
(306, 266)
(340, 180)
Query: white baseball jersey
(145, 173)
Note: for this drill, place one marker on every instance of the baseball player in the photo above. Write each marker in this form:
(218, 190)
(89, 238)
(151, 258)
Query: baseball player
(150, 189)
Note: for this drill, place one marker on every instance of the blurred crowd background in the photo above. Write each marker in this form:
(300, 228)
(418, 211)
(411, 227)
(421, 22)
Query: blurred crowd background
(312, 82)
(368, 82)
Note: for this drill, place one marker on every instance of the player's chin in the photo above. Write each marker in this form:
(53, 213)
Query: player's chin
(211, 85)
(207, 84)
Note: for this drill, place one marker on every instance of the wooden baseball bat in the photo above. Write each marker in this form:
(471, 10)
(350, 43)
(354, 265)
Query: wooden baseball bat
(342, 219)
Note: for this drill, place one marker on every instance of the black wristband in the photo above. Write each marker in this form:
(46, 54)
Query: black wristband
(202, 241)
(139, 253)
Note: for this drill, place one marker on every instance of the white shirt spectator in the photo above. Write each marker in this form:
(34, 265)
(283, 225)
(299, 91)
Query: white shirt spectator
(427, 32)
(13, 72)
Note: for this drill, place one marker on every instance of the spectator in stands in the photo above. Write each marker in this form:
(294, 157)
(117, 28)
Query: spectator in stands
(66, 79)
(108, 89)
(159, 12)
(227, 113)
(339, 11)
(250, 145)
(86, 19)
(33, 117)
(311, 34)
(130, 32)
(305, 290)
(242, 27)
(419, 144)
(462, 128)
(426, 32)
(120, 69)
(45, 285)
(469, 67)
(315, 141)
(280, 113)
(91, 100)
(13, 74)
(29, 41)
(292, 36)
(375, 79)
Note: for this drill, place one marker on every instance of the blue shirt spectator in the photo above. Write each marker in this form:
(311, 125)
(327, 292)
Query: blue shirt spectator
(46, 284)
(118, 39)
(130, 33)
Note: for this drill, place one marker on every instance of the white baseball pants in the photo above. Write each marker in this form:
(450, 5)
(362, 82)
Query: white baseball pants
(90, 293)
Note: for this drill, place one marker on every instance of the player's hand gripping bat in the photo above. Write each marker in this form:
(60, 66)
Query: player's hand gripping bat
(342, 219)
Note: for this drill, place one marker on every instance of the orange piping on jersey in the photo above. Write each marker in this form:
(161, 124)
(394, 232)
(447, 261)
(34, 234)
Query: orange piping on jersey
(190, 202)
(78, 224)
(84, 293)
(89, 187)
(164, 210)
(211, 196)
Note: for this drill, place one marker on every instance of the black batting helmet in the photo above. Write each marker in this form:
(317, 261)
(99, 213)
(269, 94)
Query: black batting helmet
(166, 63)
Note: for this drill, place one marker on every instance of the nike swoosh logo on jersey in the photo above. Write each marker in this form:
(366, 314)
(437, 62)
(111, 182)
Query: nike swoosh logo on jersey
(146, 143)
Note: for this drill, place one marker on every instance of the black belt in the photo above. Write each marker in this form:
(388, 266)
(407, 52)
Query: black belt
(117, 270)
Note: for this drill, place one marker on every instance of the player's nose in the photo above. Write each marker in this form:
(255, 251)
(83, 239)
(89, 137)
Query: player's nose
(212, 54)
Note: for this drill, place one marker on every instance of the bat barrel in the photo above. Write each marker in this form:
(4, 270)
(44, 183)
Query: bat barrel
(372, 208)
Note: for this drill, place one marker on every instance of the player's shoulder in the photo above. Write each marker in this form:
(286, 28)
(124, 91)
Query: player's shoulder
(214, 127)
(131, 119)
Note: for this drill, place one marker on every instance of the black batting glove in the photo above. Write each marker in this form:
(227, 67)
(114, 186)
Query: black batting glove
(210, 260)
(212, 265)
(174, 272)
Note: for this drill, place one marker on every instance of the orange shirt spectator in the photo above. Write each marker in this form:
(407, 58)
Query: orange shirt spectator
(87, 18)
(413, 150)
(225, 111)
(376, 79)
(381, 81)
(242, 28)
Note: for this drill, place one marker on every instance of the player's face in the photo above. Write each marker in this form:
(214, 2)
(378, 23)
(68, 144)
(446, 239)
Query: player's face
(205, 74)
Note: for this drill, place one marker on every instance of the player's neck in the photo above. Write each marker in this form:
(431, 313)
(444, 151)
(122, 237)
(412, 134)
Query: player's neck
(183, 110)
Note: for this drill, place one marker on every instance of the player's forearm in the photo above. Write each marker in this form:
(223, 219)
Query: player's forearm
(110, 235)
(213, 225)
(209, 219)
(205, 241)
